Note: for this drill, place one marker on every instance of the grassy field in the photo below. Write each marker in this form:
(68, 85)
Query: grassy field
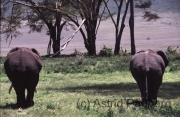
(84, 86)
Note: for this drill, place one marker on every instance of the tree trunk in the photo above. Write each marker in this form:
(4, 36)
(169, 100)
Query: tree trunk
(55, 34)
(49, 47)
(131, 26)
(118, 38)
(58, 37)
(55, 42)
(92, 42)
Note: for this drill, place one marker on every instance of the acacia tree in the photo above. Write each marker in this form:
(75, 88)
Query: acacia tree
(118, 28)
(54, 14)
(89, 10)
(9, 22)
(45, 14)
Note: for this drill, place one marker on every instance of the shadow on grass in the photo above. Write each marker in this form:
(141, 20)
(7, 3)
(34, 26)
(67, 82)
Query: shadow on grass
(123, 89)
(168, 90)
(8, 106)
(12, 106)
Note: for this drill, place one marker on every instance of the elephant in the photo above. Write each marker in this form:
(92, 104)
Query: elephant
(147, 68)
(22, 66)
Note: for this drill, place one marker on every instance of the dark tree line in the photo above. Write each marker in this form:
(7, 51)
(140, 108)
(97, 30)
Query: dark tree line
(54, 15)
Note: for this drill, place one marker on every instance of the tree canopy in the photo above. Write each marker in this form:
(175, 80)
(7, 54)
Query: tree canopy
(54, 15)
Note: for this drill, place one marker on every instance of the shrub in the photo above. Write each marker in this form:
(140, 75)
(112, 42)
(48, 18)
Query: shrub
(50, 106)
(105, 51)
(80, 59)
(170, 50)
(174, 58)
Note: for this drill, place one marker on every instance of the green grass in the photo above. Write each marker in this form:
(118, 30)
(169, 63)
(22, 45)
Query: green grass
(93, 87)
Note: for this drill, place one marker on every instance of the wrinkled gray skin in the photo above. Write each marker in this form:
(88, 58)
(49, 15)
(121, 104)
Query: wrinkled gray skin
(148, 65)
(22, 66)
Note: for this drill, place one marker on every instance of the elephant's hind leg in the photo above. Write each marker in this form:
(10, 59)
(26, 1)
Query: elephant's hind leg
(31, 87)
(30, 96)
(140, 78)
(20, 92)
(155, 81)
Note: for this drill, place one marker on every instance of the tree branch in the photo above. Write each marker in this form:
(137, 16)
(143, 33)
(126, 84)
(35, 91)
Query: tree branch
(34, 5)
(100, 19)
(110, 13)
(69, 39)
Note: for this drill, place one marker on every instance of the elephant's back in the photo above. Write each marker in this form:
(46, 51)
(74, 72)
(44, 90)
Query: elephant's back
(147, 61)
(22, 60)
(138, 61)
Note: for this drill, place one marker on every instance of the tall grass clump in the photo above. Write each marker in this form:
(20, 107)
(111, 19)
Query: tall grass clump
(174, 58)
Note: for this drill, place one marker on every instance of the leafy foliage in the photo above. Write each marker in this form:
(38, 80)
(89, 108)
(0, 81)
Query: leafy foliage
(174, 58)
(10, 21)
(105, 51)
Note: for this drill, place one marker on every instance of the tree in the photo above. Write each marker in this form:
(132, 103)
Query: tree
(55, 14)
(48, 13)
(9, 22)
(119, 28)
(89, 10)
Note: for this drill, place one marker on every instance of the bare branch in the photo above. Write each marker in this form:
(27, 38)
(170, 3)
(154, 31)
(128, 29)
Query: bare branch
(101, 17)
(69, 39)
(4, 4)
(109, 13)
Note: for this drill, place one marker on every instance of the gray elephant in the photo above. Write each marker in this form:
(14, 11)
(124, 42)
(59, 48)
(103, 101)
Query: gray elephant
(147, 68)
(22, 66)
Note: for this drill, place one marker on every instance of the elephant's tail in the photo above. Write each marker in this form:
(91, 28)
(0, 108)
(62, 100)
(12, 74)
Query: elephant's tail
(146, 86)
(10, 88)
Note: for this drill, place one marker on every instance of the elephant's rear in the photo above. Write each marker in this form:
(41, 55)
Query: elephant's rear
(23, 65)
(147, 68)
(21, 61)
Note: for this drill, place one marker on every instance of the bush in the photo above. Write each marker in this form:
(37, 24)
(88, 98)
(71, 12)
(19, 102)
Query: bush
(174, 58)
(105, 51)
(80, 59)
(170, 50)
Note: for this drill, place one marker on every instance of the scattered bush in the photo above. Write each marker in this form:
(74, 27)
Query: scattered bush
(105, 51)
(85, 64)
(174, 58)
(170, 50)
(50, 106)
(80, 59)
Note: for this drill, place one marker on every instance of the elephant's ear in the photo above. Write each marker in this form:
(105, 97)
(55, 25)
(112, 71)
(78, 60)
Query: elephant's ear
(13, 50)
(140, 51)
(35, 51)
(164, 57)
